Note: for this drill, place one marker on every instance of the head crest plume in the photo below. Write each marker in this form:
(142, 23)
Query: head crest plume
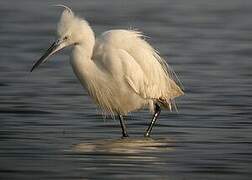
(66, 19)
(64, 6)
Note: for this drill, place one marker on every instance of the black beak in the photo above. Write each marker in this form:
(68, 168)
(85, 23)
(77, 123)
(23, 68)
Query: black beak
(51, 50)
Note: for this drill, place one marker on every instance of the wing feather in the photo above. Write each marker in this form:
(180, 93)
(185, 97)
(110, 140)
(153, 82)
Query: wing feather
(146, 73)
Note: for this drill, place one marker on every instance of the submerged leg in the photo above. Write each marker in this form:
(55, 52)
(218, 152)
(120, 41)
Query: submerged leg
(123, 126)
(154, 119)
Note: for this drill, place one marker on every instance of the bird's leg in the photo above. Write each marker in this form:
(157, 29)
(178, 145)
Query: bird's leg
(123, 126)
(154, 119)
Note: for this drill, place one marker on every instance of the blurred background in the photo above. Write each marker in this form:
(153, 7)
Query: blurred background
(50, 129)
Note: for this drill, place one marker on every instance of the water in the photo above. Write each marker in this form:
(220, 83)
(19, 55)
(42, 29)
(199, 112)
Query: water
(50, 129)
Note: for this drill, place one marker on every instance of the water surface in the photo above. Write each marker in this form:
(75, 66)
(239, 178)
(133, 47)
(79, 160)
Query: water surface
(50, 129)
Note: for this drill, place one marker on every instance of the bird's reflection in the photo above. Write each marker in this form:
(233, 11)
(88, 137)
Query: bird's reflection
(125, 146)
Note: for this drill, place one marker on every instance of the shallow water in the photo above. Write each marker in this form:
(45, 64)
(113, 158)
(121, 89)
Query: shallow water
(50, 129)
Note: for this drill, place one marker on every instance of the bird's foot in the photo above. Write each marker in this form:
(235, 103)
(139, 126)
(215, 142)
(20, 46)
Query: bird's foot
(124, 136)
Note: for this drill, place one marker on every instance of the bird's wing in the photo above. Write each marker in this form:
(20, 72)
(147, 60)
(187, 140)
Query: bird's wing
(122, 67)
(125, 53)
(133, 74)
(141, 82)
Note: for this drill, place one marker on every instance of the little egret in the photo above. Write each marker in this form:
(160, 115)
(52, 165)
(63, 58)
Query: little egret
(120, 70)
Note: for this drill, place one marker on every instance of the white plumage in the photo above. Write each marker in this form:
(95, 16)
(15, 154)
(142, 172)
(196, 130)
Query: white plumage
(125, 73)
(119, 69)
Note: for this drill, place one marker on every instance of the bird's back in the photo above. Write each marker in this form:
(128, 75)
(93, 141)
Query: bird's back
(125, 53)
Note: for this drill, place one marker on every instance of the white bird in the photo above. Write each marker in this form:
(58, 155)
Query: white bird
(119, 69)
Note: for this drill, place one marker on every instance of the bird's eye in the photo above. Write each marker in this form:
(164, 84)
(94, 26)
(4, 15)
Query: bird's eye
(65, 38)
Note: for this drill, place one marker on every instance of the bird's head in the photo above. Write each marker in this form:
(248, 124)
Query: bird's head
(71, 31)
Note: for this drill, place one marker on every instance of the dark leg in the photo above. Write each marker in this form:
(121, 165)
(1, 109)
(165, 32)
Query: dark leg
(123, 126)
(154, 119)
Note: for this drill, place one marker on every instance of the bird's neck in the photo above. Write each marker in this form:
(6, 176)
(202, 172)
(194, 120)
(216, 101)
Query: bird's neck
(82, 52)
(85, 49)
(83, 66)
(86, 42)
